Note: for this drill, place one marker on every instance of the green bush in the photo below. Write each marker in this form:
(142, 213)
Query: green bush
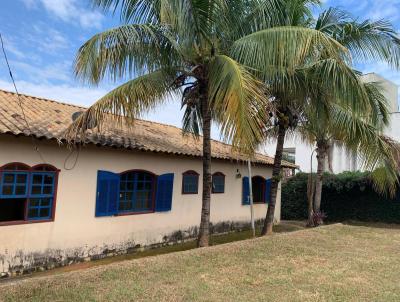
(345, 196)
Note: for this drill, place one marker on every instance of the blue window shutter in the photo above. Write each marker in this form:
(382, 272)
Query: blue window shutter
(268, 190)
(165, 186)
(107, 193)
(246, 191)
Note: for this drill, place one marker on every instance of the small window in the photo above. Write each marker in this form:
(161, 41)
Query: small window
(190, 182)
(289, 154)
(218, 183)
(26, 194)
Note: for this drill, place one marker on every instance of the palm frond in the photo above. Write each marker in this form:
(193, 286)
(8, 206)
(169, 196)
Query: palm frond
(377, 152)
(367, 40)
(239, 103)
(125, 103)
(339, 82)
(277, 52)
(329, 21)
(127, 50)
(135, 11)
(192, 120)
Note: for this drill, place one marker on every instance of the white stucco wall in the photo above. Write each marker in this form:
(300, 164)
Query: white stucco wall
(75, 224)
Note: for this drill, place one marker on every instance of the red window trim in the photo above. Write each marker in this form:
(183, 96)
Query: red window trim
(33, 169)
(190, 172)
(5, 167)
(263, 188)
(212, 187)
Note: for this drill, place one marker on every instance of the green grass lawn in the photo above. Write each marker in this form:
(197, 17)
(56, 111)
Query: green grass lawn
(331, 263)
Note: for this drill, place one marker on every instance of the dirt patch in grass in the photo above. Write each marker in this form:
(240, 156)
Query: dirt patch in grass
(331, 263)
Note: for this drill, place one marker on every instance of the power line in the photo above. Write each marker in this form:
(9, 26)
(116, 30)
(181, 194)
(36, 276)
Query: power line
(35, 147)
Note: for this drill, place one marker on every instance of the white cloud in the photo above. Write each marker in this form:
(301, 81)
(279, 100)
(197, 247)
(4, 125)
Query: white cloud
(370, 9)
(47, 40)
(66, 93)
(10, 47)
(71, 11)
(388, 9)
(30, 3)
(61, 71)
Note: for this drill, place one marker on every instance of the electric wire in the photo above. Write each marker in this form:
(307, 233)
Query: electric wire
(29, 129)
(35, 147)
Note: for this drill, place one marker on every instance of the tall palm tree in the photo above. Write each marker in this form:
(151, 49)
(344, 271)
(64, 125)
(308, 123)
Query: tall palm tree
(193, 48)
(360, 132)
(364, 41)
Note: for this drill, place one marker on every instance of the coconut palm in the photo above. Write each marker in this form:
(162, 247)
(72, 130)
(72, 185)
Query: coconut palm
(364, 41)
(360, 132)
(192, 49)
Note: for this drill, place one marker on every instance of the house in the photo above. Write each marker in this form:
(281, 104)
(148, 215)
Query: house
(125, 189)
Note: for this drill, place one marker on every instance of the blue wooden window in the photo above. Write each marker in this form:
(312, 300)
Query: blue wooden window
(261, 190)
(14, 184)
(133, 192)
(107, 193)
(41, 195)
(27, 193)
(218, 183)
(190, 182)
(136, 192)
(165, 184)
(245, 191)
(42, 184)
(39, 208)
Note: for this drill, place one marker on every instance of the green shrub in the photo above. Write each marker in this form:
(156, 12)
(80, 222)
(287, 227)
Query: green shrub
(345, 196)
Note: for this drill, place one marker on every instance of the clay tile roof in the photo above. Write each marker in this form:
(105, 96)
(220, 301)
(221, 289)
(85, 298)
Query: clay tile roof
(48, 119)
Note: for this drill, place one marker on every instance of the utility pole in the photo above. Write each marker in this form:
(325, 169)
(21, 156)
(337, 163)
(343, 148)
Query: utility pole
(251, 201)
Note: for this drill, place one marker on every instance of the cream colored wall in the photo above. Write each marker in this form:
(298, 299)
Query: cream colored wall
(75, 224)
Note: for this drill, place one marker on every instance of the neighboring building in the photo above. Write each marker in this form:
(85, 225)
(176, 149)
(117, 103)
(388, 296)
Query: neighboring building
(342, 160)
(128, 189)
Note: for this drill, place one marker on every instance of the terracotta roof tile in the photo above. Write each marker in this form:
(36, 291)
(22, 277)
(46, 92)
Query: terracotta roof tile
(49, 119)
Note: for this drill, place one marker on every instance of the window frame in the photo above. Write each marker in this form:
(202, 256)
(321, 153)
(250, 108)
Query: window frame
(212, 182)
(263, 188)
(153, 193)
(190, 173)
(30, 170)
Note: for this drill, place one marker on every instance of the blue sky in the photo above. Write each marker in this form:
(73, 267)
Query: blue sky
(42, 37)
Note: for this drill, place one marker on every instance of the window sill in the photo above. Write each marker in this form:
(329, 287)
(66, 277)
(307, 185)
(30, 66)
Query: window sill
(134, 213)
(18, 222)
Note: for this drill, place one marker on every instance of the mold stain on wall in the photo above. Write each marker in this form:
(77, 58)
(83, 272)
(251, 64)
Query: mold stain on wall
(20, 263)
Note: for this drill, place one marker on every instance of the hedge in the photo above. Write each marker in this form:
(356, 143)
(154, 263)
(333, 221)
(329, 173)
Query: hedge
(345, 196)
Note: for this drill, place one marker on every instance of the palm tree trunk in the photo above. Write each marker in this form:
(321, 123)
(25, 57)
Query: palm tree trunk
(276, 172)
(321, 156)
(203, 239)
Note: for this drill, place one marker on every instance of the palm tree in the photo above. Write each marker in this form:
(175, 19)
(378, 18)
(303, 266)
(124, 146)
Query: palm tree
(192, 48)
(364, 41)
(360, 132)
